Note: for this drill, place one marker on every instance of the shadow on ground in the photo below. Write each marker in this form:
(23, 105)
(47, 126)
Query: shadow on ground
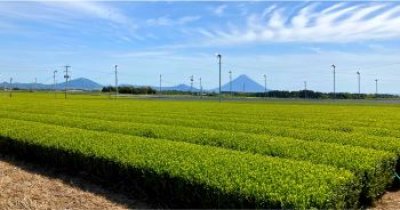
(80, 180)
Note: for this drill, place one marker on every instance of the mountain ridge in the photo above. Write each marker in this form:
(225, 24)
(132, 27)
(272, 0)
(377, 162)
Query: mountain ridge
(79, 84)
(243, 84)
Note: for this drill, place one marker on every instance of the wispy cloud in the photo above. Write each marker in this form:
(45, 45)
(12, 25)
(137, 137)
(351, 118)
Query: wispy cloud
(141, 54)
(167, 21)
(219, 11)
(336, 23)
(65, 14)
(96, 10)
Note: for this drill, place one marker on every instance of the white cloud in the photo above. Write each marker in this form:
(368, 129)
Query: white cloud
(337, 23)
(167, 21)
(219, 11)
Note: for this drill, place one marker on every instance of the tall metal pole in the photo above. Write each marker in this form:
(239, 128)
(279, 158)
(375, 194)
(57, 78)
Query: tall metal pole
(160, 84)
(116, 81)
(66, 76)
(265, 85)
(11, 88)
(334, 81)
(219, 56)
(201, 88)
(191, 84)
(376, 88)
(230, 83)
(359, 84)
(55, 83)
(305, 89)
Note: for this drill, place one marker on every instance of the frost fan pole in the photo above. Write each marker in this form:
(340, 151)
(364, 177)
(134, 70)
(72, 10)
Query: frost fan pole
(66, 77)
(219, 56)
(265, 86)
(334, 81)
(116, 81)
(11, 88)
(55, 83)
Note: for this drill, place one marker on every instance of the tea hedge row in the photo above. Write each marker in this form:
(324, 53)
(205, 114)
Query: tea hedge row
(369, 127)
(374, 168)
(186, 174)
(379, 143)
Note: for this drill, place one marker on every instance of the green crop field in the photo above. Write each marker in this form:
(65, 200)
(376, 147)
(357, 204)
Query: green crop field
(236, 154)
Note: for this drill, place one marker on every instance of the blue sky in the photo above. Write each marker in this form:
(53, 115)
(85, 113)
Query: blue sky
(291, 42)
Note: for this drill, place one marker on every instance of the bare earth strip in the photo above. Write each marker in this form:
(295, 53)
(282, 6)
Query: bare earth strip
(391, 200)
(24, 187)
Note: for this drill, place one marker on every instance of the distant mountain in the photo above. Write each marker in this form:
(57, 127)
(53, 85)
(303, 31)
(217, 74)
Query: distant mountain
(243, 83)
(82, 84)
(79, 84)
(181, 87)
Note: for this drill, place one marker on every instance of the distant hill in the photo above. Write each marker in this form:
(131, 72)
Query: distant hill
(80, 84)
(243, 83)
(181, 87)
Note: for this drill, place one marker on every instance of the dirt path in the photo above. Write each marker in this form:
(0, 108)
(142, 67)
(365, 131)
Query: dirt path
(25, 187)
(391, 200)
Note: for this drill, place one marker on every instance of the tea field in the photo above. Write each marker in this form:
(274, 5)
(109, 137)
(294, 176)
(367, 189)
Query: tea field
(193, 154)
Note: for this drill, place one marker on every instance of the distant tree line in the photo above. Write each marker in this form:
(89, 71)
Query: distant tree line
(270, 94)
(130, 90)
(313, 95)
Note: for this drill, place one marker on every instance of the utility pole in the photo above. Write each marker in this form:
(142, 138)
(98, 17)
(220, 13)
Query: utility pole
(334, 81)
(265, 85)
(219, 56)
(66, 77)
(191, 85)
(359, 84)
(116, 81)
(11, 88)
(376, 88)
(201, 88)
(244, 87)
(230, 83)
(55, 83)
(160, 84)
(305, 89)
